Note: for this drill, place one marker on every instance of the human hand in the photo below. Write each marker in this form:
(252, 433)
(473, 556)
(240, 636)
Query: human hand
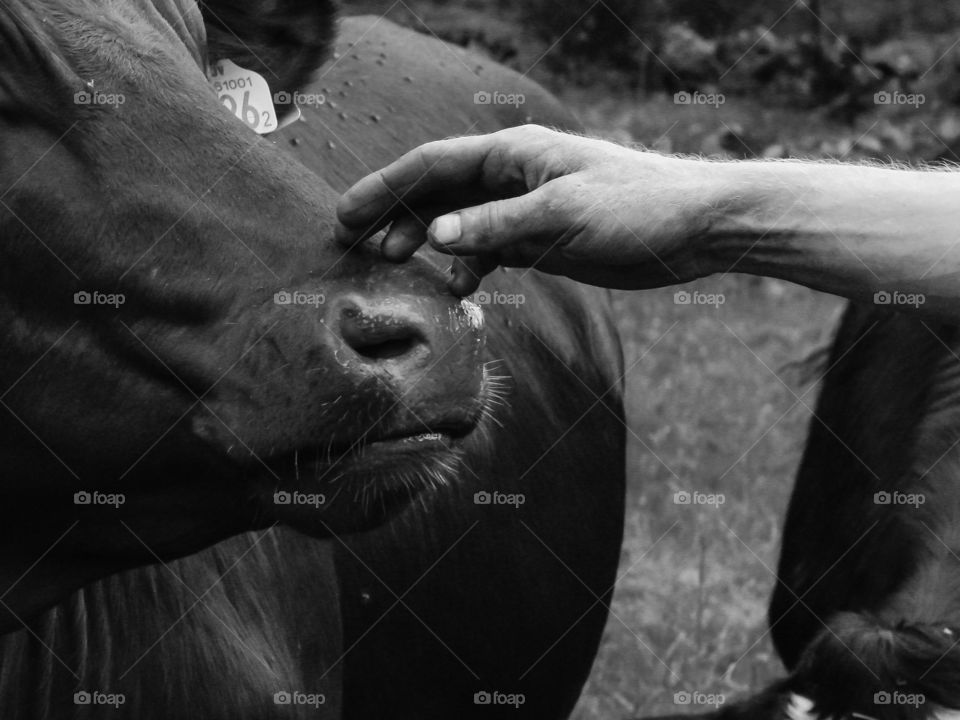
(594, 211)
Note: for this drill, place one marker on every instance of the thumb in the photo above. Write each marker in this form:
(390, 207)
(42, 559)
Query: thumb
(496, 226)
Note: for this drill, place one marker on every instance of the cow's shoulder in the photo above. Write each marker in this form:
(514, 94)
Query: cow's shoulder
(446, 78)
(387, 89)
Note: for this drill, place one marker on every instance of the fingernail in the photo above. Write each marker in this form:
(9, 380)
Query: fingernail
(446, 229)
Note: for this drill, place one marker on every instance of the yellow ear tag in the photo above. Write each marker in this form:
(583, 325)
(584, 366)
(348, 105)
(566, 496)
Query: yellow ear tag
(246, 94)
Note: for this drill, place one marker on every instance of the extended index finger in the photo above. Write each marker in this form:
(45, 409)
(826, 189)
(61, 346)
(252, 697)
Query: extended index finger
(446, 167)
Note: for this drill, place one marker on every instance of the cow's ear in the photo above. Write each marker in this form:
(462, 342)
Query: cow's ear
(283, 40)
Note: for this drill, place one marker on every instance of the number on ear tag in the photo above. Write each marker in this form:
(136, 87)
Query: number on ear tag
(246, 94)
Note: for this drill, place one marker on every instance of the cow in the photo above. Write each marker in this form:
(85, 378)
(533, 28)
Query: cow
(470, 455)
(866, 609)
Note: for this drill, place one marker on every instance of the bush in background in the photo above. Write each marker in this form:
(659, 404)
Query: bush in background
(623, 33)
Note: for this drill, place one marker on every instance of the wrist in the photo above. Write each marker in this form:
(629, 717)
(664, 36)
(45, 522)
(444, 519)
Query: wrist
(750, 223)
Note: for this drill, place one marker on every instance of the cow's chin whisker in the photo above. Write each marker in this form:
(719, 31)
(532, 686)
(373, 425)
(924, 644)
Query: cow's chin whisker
(494, 394)
(417, 479)
(376, 472)
(495, 391)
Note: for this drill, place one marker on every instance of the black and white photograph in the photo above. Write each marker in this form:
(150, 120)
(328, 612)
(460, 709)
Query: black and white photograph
(479, 360)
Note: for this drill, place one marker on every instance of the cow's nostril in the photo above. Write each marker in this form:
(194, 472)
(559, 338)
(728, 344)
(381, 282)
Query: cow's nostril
(379, 337)
(385, 350)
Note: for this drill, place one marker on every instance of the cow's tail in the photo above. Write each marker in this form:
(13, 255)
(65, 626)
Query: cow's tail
(858, 666)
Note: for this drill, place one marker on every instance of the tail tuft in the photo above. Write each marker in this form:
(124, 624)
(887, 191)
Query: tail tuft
(860, 668)
(859, 664)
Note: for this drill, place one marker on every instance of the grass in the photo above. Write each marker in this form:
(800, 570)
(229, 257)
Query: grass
(713, 407)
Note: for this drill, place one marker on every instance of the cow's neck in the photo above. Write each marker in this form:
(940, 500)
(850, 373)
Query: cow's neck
(214, 635)
(34, 577)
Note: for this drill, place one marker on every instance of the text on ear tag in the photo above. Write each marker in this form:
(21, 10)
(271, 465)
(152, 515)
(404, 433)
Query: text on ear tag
(246, 94)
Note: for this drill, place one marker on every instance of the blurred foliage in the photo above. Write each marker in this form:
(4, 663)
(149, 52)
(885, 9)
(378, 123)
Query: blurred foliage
(609, 32)
(611, 29)
(630, 35)
(611, 25)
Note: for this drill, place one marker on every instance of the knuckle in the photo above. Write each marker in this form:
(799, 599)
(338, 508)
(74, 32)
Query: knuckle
(427, 153)
(525, 133)
(482, 226)
(553, 197)
(433, 154)
(536, 131)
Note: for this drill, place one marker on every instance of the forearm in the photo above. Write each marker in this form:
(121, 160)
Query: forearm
(845, 229)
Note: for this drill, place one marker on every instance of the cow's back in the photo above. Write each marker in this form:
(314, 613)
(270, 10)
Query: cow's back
(455, 598)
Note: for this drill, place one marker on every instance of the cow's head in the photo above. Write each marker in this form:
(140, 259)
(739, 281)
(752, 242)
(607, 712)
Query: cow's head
(180, 332)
